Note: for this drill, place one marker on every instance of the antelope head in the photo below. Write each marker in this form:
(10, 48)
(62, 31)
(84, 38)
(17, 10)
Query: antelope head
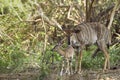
(74, 38)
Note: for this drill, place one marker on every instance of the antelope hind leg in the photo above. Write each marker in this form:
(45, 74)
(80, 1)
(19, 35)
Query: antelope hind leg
(95, 53)
(103, 47)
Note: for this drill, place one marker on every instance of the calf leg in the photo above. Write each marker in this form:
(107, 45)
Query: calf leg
(71, 70)
(67, 67)
(61, 72)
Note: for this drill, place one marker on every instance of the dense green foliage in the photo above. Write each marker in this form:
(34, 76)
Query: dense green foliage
(22, 47)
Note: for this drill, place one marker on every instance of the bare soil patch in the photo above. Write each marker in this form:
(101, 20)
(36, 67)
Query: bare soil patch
(85, 75)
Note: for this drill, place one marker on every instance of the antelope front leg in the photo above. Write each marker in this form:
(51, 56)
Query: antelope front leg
(79, 63)
(76, 62)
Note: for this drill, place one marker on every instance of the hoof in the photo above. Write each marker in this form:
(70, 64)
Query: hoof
(78, 72)
(105, 70)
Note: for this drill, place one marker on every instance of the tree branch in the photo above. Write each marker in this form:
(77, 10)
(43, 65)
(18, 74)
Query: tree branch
(113, 14)
(52, 22)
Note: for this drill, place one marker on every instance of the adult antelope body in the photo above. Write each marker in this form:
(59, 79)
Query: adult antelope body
(88, 34)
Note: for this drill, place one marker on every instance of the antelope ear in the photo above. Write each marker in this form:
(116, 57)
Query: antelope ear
(77, 31)
(72, 31)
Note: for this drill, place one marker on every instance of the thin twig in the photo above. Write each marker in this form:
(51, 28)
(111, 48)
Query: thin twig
(68, 15)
